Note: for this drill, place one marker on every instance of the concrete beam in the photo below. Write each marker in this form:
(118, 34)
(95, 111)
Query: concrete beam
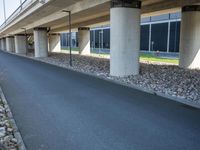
(166, 6)
(91, 23)
(50, 14)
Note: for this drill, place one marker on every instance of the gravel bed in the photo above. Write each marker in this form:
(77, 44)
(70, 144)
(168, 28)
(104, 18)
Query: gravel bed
(8, 141)
(158, 77)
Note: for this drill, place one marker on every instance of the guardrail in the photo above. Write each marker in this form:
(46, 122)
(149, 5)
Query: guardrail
(20, 9)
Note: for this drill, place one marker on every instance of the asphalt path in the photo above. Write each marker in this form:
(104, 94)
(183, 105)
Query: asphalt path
(59, 109)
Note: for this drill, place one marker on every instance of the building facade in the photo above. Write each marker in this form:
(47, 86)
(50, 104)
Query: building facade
(158, 33)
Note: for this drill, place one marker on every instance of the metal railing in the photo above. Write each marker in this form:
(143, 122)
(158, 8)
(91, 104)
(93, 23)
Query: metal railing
(18, 11)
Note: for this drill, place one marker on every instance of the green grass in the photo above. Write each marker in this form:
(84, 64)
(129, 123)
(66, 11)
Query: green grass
(73, 49)
(143, 57)
(151, 57)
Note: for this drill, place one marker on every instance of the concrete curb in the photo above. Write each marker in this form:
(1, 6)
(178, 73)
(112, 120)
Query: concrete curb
(17, 135)
(176, 99)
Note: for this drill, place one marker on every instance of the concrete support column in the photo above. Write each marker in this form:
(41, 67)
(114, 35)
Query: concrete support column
(84, 40)
(41, 42)
(10, 44)
(1, 42)
(190, 37)
(20, 44)
(54, 43)
(4, 44)
(125, 37)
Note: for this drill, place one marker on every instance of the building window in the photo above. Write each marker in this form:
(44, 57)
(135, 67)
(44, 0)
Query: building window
(144, 39)
(174, 36)
(159, 37)
(106, 38)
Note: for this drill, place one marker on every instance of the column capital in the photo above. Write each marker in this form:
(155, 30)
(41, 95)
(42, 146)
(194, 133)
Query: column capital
(40, 28)
(10, 36)
(54, 34)
(191, 8)
(126, 3)
(19, 35)
(83, 28)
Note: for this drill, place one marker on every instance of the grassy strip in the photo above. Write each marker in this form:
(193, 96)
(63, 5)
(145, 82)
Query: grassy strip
(143, 57)
(150, 57)
(73, 49)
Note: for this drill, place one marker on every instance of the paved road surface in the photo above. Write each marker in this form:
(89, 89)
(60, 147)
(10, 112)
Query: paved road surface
(57, 109)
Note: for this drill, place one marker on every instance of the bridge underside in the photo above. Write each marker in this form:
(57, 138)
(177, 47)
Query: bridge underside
(84, 13)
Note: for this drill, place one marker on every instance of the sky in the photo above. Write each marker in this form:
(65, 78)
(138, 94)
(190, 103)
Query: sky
(11, 6)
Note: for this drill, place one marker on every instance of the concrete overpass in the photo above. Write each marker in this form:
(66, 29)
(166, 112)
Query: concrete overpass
(45, 19)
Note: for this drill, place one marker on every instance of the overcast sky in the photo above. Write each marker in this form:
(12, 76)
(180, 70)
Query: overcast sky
(11, 6)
